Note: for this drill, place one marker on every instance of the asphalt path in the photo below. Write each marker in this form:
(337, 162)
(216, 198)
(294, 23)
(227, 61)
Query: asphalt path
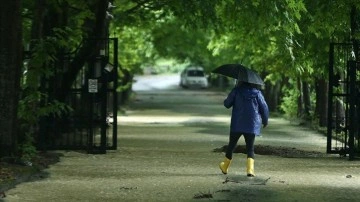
(170, 143)
(156, 82)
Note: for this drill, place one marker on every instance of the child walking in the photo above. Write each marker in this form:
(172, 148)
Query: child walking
(249, 112)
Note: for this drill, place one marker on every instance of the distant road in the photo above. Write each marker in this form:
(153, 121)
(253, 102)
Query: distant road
(156, 82)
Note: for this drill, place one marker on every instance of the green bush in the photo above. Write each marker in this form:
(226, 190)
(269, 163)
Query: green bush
(288, 105)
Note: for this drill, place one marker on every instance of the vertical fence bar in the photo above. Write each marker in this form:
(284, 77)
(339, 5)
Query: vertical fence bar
(86, 127)
(115, 99)
(330, 98)
(352, 110)
(103, 104)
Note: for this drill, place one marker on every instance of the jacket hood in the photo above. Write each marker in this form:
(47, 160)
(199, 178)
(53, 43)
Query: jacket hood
(249, 92)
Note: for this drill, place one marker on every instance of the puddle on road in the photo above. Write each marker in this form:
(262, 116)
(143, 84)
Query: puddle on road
(286, 152)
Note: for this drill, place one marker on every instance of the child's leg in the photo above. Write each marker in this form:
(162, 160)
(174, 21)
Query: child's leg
(224, 165)
(233, 139)
(250, 140)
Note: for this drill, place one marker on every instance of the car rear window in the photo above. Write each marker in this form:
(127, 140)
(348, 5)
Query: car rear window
(195, 73)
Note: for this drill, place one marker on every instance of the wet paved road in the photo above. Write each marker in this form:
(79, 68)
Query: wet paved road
(166, 152)
(156, 82)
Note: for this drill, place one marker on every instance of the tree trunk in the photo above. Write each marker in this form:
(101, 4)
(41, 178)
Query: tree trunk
(10, 68)
(321, 88)
(91, 48)
(300, 108)
(271, 95)
(125, 80)
(306, 99)
(38, 21)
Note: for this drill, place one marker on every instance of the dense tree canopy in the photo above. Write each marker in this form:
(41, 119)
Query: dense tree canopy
(285, 41)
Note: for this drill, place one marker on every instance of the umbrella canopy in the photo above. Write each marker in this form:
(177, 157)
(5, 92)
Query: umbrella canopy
(240, 72)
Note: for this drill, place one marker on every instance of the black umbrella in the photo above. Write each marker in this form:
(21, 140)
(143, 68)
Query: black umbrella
(240, 72)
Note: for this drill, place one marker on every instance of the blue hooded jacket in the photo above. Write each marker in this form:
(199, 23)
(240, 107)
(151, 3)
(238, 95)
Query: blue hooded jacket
(249, 109)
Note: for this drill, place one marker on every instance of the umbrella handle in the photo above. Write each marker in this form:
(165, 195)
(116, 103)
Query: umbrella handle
(238, 82)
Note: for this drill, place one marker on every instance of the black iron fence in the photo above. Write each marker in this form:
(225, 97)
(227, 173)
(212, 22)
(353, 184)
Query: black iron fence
(343, 101)
(91, 125)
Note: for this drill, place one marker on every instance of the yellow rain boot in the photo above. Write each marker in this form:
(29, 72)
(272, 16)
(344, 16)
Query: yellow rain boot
(250, 167)
(224, 166)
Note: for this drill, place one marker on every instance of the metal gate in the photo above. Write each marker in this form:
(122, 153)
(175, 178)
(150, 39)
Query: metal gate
(92, 123)
(344, 100)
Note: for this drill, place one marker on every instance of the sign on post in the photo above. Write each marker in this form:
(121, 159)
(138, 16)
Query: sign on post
(93, 85)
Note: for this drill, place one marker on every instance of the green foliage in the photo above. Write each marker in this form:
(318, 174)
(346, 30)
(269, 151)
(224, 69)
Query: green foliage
(172, 40)
(66, 38)
(135, 48)
(47, 31)
(30, 111)
(289, 102)
(26, 147)
(40, 66)
(35, 104)
(280, 39)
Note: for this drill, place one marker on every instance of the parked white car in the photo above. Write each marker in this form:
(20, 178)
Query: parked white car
(193, 76)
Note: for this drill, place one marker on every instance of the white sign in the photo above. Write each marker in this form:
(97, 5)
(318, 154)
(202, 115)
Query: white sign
(93, 85)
